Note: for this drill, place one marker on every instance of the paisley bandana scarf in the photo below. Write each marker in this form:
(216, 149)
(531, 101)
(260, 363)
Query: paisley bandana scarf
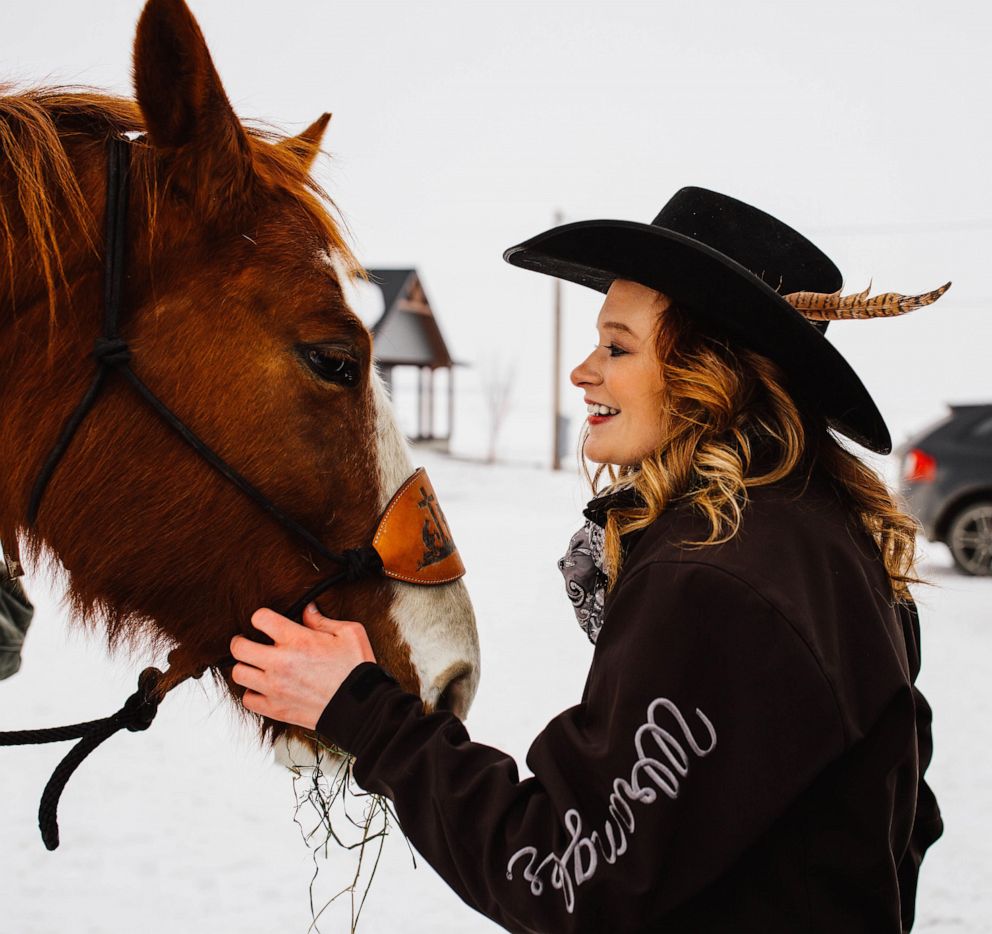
(585, 577)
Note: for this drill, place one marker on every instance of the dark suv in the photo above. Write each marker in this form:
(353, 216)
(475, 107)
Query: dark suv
(947, 482)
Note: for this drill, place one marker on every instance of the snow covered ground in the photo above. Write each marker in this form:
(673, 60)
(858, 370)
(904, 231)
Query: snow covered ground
(189, 827)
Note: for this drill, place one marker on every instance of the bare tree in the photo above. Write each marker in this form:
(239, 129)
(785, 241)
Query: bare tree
(497, 377)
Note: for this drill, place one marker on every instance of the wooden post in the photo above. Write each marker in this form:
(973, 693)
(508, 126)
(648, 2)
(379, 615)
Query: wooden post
(451, 401)
(420, 404)
(556, 372)
(430, 402)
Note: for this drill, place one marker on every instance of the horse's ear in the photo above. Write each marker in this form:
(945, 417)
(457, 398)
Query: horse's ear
(187, 114)
(306, 145)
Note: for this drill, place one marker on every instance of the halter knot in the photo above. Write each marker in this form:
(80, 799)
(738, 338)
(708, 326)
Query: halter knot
(111, 351)
(140, 708)
(360, 563)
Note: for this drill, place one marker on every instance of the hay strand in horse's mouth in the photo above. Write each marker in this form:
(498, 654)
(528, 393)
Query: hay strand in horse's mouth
(328, 794)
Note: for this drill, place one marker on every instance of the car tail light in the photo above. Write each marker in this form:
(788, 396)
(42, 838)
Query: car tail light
(919, 467)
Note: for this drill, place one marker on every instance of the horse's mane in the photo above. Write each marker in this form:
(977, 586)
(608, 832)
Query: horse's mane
(42, 184)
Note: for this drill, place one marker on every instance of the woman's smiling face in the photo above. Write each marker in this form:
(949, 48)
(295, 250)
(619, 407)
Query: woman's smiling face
(621, 378)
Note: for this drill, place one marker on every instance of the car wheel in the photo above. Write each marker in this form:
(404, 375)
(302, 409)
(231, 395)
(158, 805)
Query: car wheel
(969, 537)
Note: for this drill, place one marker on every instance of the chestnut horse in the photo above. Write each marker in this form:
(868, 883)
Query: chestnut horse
(234, 313)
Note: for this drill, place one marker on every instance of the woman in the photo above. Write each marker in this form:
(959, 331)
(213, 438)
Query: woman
(748, 753)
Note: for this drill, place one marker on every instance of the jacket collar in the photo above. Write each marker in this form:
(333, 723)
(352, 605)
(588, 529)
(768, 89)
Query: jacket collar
(625, 498)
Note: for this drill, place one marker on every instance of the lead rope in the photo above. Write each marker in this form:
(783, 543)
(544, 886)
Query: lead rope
(137, 714)
(140, 708)
(112, 352)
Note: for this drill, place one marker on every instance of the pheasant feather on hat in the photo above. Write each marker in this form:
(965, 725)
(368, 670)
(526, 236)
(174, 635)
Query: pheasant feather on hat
(832, 306)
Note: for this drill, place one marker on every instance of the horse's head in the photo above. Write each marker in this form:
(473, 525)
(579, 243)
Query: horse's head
(235, 316)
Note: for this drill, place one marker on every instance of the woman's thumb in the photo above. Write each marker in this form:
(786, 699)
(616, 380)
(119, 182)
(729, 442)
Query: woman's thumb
(314, 619)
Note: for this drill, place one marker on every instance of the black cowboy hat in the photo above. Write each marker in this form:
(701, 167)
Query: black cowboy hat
(730, 264)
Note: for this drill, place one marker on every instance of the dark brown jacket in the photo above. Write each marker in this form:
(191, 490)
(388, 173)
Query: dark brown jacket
(747, 756)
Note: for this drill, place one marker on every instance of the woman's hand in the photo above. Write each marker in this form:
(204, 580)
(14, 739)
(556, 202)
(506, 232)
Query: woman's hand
(293, 680)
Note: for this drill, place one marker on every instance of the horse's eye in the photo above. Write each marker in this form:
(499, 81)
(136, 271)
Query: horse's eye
(332, 366)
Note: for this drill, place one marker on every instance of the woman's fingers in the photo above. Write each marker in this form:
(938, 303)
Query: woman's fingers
(248, 677)
(256, 703)
(277, 627)
(252, 653)
(284, 632)
(293, 679)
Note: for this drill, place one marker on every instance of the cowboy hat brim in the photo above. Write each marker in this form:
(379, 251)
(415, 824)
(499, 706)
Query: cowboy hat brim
(735, 301)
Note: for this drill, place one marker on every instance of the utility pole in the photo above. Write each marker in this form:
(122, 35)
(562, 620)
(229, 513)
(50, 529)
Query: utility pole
(556, 372)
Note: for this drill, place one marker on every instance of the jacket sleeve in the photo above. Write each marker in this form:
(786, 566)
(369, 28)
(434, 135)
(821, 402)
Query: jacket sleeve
(705, 715)
(16, 612)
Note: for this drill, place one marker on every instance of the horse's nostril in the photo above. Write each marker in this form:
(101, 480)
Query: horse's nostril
(457, 694)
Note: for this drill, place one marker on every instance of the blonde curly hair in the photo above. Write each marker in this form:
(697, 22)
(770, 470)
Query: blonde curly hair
(730, 425)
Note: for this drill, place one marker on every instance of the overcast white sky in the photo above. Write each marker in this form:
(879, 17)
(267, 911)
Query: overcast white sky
(461, 126)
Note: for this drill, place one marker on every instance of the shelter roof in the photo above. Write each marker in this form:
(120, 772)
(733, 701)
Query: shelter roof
(407, 333)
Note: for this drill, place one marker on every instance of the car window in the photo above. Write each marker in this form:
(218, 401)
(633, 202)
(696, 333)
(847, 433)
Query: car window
(983, 430)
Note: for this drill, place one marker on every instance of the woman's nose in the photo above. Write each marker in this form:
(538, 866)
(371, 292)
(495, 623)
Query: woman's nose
(585, 373)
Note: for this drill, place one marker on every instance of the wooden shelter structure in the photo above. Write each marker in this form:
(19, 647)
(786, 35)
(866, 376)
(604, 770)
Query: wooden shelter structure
(407, 334)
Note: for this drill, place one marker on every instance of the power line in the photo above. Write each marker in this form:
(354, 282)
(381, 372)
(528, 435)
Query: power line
(895, 227)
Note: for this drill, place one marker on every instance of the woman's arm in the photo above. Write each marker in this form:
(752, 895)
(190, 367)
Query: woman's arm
(705, 716)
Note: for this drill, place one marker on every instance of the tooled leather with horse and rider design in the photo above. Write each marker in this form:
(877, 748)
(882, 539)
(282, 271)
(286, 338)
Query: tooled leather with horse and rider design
(413, 538)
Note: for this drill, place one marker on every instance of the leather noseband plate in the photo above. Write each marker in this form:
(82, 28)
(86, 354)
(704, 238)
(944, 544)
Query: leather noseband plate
(413, 538)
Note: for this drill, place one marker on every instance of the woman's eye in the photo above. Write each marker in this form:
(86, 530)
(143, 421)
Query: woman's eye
(332, 367)
(614, 350)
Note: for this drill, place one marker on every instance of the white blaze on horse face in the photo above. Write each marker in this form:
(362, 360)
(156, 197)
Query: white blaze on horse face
(436, 622)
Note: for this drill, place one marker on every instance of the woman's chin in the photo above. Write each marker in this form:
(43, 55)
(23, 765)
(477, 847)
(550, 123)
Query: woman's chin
(601, 454)
(598, 454)
(601, 445)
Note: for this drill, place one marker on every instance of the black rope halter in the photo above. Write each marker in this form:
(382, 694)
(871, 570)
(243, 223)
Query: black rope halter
(112, 355)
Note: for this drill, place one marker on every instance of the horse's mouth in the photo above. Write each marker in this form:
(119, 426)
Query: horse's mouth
(455, 689)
